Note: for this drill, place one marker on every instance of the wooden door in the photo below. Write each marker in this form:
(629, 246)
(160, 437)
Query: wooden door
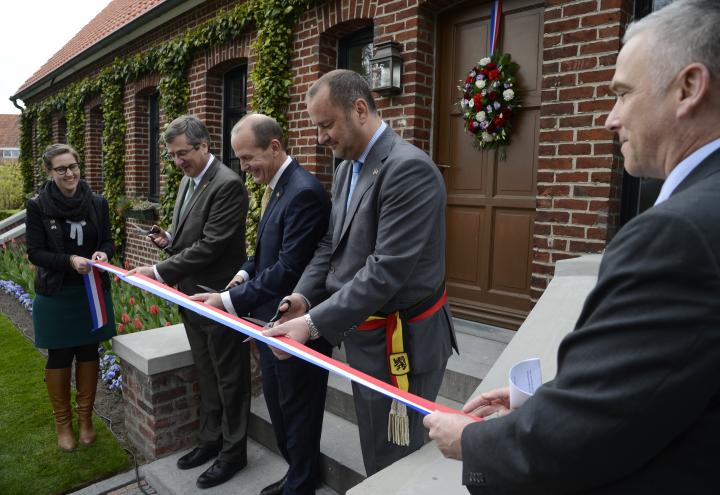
(491, 195)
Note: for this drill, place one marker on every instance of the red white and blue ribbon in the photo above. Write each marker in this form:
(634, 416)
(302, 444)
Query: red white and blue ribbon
(93, 288)
(288, 345)
(495, 14)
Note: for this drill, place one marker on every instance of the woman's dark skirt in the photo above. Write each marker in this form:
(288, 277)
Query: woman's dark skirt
(63, 319)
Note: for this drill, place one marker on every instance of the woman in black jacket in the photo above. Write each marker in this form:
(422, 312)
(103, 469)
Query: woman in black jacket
(67, 225)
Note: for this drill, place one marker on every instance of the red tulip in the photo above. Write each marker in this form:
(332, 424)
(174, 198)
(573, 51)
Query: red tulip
(167, 324)
(154, 310)
(126, 264)
(125, 318)
(121, 328)
(132, 301)
(116, 279)
(137, 324)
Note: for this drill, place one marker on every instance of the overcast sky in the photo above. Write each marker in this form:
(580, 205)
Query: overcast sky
(32, 32)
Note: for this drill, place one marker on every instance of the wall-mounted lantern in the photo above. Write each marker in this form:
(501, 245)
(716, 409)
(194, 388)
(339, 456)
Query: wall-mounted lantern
(386, 67)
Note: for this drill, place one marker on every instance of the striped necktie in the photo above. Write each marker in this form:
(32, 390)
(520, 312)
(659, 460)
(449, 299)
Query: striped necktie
(353, 181)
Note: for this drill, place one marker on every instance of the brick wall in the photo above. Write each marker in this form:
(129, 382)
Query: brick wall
(93, 145)
(579, 167)
(161, 411)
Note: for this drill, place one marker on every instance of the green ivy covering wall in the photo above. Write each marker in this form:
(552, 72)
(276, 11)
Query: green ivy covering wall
(274, 21)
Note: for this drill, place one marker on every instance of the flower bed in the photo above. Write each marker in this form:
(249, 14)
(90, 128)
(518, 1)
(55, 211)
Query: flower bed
(135, 310)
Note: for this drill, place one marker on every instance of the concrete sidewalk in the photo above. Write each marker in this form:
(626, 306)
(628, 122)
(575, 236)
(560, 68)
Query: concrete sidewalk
(162, 477)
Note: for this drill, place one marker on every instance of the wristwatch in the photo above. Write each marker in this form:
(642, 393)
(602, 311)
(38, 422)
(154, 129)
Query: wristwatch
(314, 333)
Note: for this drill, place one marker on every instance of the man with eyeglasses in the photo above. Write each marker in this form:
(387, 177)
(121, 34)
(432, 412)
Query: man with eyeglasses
(206, 244)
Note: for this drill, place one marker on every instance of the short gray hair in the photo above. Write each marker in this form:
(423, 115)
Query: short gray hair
(681, 33)
(193, 128)
(264, 129)
(346, 86)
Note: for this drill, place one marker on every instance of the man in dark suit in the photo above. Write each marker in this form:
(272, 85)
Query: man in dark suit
(295, 213)
(207, 246)
(635, 406)
(383, 255)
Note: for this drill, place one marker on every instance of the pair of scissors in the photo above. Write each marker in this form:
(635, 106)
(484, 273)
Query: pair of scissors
(278, 314)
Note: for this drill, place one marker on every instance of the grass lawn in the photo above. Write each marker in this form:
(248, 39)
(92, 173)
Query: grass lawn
(30, 461)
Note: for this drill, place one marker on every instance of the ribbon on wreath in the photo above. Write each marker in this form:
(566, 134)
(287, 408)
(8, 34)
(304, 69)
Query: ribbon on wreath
(495, 15)
(96, 300)
(419, 404)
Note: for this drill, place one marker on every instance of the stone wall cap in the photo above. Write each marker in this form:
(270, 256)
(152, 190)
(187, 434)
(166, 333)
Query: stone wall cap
(155, 351)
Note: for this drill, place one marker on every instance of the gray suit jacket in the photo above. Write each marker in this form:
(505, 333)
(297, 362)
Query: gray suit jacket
(635, 406)
(386, 254)
(208, 245)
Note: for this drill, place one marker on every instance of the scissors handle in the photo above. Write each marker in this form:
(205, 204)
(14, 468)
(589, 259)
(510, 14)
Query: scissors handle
(278, 314)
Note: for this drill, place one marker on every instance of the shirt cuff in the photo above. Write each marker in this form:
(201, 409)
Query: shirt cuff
(157, 275)
(245, 275)
(306, 301)
(227, 302)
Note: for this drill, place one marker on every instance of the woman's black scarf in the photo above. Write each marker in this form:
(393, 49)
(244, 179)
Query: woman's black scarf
(55, 204)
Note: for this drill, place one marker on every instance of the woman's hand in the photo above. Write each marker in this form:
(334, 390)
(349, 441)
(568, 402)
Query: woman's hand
(99, 256)
(80, 264)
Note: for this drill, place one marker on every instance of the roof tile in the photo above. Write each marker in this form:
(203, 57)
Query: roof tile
(9, 131)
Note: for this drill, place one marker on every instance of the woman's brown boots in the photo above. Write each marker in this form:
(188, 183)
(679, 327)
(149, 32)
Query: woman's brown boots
(86, 377)
(58, 385)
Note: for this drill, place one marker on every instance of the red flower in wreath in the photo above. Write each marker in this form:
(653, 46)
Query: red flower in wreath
(494, 75)
(492, 96)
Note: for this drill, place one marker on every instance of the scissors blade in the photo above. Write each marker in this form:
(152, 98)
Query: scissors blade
(142, 232)
(207, 289)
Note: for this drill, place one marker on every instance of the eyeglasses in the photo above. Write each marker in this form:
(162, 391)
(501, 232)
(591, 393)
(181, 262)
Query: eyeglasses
(182, 153)
(73, 167)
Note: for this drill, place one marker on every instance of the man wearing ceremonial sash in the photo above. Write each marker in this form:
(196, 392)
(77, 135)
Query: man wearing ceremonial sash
(207, 246)
(376, 281)
(635, 405)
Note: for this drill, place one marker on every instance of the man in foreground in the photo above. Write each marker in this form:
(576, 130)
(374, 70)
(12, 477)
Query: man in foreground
(635, 405)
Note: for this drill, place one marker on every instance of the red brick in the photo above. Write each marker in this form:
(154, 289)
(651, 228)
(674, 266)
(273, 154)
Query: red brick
(576, 121)
(579, 8)
(580, 36)
(556, 136)
(578, 64)
(568, 231)
(553, 191)
(571, 204)
(605, 75)
(601, 46)
(593, 162)
(586, 247)
(578, 93)
(594, 135)
(562, 52)
(571, 177)
(555, 163)
(574, 149)
(557, 109)
(560, 26)
(595, 105)
(602, 18)
(587, 218)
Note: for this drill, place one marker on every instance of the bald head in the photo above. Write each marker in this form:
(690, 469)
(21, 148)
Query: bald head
(264, 129)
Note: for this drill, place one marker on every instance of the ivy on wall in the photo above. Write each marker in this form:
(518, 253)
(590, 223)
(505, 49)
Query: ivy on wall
(271, 77)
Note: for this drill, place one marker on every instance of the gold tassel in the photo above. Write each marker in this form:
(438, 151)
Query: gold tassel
(398, 424)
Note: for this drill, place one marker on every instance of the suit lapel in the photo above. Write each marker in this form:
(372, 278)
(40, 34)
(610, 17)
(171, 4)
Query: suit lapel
(368, 173)
(199, 190)
(339, 205)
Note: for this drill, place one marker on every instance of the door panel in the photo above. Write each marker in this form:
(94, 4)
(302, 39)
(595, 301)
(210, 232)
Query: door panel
(491, 194)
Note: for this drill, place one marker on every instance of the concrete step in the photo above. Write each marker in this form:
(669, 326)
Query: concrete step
(341, 459)
(264, 467)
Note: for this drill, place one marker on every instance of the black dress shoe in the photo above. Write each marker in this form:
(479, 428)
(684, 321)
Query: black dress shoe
(196, 457)
(218, 473)
(276, 488)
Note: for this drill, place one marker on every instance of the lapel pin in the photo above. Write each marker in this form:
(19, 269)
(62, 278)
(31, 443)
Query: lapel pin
(376, 171)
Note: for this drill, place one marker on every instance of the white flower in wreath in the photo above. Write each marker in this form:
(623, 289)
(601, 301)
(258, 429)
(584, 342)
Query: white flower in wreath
(480, 83)
(487, 137)
(463, 103)
(480, 116)
(489, 108)
(484, 61)
(508, 94)
(496, 105)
